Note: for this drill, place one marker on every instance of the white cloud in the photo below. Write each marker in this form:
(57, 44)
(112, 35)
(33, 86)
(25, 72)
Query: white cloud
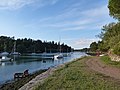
(73, 28)
(97, 12)
(83, 43)
(16, 4)
(69, 23)
(76, 19)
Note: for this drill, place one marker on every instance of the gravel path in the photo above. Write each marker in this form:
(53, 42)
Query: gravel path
(95, 64)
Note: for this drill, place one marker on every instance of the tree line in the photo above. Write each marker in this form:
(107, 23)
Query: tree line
(31, 46)
(110, 34)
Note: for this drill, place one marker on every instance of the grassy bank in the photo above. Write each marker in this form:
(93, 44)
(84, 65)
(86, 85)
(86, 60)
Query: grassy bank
(19, 83)
(107, 60)
(77, 76)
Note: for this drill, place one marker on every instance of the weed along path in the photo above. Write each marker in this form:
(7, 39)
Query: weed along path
(97, 65)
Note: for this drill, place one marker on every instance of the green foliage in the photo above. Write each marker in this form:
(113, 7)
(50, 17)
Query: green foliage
(93, 46)
(110, 33)
(114, 8)
(102, 47)
(110, 36)
(108, 61)
(84, 50)
(116, 49)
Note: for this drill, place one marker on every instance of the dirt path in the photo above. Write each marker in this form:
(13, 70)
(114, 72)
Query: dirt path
(95, 64)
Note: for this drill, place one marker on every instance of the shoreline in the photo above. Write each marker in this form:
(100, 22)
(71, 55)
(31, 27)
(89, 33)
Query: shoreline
(16, 84)
(10, 83)
(41, 77)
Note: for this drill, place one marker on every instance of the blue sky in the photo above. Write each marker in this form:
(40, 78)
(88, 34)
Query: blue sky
(76, 22)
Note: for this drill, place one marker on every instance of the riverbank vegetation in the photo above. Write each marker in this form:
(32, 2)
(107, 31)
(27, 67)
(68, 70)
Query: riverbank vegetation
(110, 34)
(77, 75)
(29, 45)
(108, 61)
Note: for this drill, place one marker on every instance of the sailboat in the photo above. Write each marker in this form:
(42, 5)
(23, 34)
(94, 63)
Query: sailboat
(58, 55)
(33, 54)
(46, 55)
(66, 54)
(4, 55)
(14, 50)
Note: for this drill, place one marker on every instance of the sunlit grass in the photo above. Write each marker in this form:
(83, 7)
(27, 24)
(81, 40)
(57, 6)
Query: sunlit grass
(107, 60)
(77, 76)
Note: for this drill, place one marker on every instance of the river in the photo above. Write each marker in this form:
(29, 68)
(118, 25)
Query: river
(32, 63)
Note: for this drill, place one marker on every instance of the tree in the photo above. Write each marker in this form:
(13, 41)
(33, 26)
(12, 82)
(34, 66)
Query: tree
(114, 8)
(110, 36)
(110, 33)
(93, 46)
(28, 45)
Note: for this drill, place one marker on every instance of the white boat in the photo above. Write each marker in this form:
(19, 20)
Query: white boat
(33, 54)
(58, 56)
(15, 53)
(47, 55)
(5, 58)
(4, 54)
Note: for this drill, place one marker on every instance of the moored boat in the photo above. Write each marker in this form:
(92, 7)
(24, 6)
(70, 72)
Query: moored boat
(58, 56)
(4, 54)
(5, 58)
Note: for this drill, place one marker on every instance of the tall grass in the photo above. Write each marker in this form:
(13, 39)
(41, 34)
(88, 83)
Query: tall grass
(77, 76)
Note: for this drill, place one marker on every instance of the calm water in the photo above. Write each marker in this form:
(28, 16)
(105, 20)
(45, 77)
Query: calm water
(33, 63)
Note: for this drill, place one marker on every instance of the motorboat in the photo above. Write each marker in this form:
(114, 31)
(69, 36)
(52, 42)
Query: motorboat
(4, 54)
(58, 56)
(15, 53)
(5, 58)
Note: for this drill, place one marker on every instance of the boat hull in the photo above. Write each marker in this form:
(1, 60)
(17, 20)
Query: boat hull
(4, 59)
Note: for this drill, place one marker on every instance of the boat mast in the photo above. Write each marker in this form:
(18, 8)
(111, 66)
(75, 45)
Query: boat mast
(14, 46)
(60, 45)
(45, 49)
(5, 47)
